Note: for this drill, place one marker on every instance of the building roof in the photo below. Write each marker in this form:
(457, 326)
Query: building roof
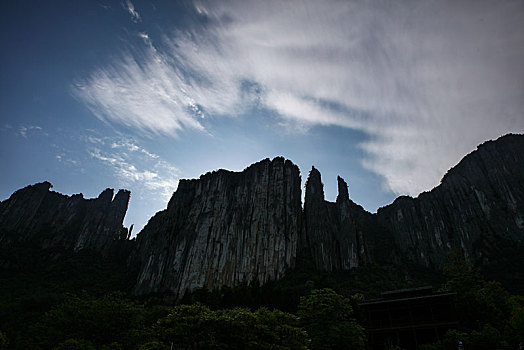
(400, 295)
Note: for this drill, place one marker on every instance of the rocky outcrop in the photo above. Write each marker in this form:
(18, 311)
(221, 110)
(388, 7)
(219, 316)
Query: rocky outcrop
(49, 219)
(226, 228)
(333, 235)
(223, 229)
(342, 235)
(477, 208)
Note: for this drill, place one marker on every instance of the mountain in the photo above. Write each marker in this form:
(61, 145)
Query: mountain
(47, 219)
(341, 235)
(477, 208)
(228, 228)
(223, 229)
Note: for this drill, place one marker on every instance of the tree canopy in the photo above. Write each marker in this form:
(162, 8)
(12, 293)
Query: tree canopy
(328, 319)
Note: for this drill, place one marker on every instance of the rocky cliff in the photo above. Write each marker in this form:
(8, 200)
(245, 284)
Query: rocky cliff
(49, 219)
(223, 229)
(226, 228)
(339, 235)
(477, 209)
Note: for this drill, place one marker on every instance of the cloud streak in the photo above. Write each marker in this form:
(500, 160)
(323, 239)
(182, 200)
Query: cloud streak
(426, 81)
(129, 7)
(134, 166)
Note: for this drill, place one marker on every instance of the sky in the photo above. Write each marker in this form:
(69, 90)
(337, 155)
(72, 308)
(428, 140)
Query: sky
(139, 94)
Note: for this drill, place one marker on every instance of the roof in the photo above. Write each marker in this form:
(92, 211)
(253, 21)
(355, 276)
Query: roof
(408, 294)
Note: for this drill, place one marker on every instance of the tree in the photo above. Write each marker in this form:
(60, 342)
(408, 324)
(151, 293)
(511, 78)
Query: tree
(154, 345)
(75, 344)
(478, 302)
(99, 321)
(198, 327)
(514, 330)
(488, 315)
(3, 341)
(328, 319)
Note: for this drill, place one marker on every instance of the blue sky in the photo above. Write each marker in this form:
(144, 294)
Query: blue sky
(139, 94)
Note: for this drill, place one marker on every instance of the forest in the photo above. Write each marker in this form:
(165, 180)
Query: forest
(83, 302)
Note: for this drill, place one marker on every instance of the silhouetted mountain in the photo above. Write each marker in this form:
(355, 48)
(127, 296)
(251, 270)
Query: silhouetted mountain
(228, 228)
(49, 219)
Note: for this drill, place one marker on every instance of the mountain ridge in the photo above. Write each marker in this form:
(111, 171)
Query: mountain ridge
(227, 228)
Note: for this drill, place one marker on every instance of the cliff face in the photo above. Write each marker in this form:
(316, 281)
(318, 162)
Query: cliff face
(223, 229)
(226, 227)
(477, 208)
(341, 235)
(333, 235)
(48, 219)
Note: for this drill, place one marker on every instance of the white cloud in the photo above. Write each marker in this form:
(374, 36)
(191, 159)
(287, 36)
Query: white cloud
(148, 96)
(427, 81)
(129, 7)
(23, 130)
(144, 36)
(64, 159)
(135, 167)
(95, 140)
(133, 147)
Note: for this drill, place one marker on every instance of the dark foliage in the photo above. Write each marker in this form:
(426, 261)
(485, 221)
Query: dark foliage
(55, 299)
(33, 281)
(489, 317)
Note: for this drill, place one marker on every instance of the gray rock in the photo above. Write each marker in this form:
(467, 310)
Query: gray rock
(478, 206)
(52, 220)
(223, 229)
(227, 228)
(341, 235)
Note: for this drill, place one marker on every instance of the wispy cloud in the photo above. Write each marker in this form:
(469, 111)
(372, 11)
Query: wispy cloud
(23, 130)
(134, 166)
(129, 7)
(145, 36)
(151, 96)
(133, 147)
(427, 81)
(62, 157)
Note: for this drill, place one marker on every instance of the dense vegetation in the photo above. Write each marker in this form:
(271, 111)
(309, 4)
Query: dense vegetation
(488, 315)
(115, 322)
(80, 301)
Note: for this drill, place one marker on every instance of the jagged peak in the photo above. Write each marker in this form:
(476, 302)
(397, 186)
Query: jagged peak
(314, 185)
(43, 186)
(107, 195)
(122, 195)
(343, 191)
